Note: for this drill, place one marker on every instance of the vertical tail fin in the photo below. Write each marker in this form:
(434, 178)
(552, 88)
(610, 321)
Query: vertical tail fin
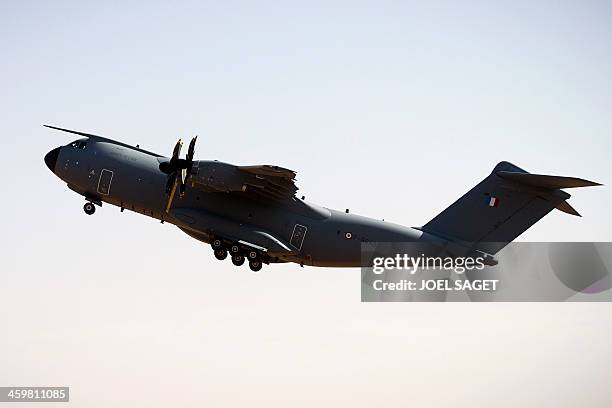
(503, 206)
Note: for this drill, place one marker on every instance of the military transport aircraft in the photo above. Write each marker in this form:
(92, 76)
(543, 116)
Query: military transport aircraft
(252, 212)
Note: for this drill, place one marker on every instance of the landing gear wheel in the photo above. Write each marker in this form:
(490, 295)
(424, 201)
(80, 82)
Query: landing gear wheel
(252, 255)
(89, 208)
(237, 260)
(235, 249)
(221, 253)
(255, 265)
(216, 244)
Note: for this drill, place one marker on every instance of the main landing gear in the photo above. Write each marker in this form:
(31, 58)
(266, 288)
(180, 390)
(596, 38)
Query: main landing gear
(239, 253)
(255, 265)
(238, 259)
(221, 253)
(219, 249)
(254, 260)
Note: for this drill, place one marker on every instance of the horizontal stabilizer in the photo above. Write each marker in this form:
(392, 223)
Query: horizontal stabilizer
(543, 181)
(567, 208)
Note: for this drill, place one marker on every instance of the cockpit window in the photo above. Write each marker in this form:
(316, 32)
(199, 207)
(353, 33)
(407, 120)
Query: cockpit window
(79, 144)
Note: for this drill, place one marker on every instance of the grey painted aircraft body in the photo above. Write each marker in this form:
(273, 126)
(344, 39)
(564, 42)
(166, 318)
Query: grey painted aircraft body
(252, 212)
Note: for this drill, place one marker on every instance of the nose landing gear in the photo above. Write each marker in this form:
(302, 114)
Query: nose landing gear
(89, 208)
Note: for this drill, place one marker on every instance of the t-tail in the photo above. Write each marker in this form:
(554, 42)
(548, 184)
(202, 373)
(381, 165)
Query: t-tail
(502, 207)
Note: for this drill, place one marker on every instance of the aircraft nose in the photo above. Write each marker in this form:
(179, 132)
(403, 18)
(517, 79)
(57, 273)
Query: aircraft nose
(51, 158)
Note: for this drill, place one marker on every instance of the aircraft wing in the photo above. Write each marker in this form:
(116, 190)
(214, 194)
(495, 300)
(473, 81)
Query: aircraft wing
(269, 182)
(202, 224)
(267, 170)
(262, 182)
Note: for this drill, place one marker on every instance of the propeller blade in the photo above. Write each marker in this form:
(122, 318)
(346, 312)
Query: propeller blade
(182, 179)
(170, 182)
(177, 150)
(172, 192)
(178, 170)
(191, 149)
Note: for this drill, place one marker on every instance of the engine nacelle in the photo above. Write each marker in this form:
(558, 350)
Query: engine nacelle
(217, 176)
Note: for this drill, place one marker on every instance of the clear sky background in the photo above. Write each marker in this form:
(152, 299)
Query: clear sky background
(392, 109)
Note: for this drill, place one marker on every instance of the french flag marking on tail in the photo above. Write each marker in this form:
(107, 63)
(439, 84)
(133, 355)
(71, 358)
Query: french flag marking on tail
(493, 201)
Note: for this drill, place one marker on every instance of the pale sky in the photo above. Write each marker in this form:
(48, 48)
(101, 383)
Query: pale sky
(392, 109)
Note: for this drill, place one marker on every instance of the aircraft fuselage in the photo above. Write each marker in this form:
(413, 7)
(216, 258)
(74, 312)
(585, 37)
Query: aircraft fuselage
(130, 178)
